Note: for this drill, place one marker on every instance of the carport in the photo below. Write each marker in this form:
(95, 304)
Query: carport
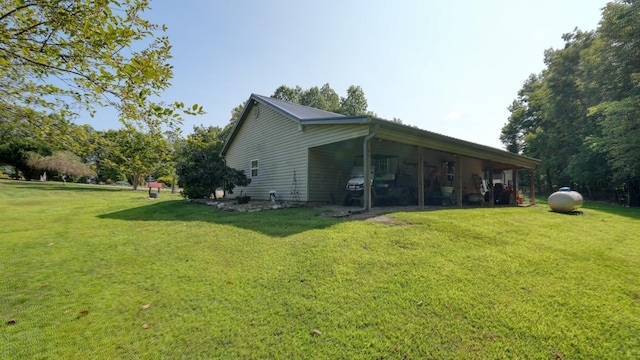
(329, 164)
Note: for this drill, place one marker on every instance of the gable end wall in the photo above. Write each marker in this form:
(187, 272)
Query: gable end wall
(274, 141)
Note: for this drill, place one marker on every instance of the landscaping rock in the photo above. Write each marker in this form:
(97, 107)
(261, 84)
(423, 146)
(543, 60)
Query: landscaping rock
(255, 205)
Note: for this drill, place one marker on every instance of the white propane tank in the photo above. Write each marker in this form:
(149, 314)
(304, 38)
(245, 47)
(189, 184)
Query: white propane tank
(565, 200)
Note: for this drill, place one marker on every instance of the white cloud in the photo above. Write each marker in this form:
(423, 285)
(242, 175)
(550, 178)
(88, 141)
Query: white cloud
(454, 115)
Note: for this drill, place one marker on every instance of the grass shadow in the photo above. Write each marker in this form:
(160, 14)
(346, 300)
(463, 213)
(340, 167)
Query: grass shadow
(276, 223)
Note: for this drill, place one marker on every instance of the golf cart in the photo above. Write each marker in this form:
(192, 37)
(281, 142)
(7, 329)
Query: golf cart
(387, 185)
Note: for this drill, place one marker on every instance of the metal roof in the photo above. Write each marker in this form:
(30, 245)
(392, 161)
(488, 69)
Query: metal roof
(299, 112)
(304, 115)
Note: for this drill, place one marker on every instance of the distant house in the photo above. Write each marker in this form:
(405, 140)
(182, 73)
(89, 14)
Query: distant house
(306, 154)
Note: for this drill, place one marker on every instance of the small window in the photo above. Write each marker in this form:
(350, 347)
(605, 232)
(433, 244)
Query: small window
(254, 168)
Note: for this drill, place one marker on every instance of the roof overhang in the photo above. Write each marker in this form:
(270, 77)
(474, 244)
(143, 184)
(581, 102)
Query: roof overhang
(417, 137)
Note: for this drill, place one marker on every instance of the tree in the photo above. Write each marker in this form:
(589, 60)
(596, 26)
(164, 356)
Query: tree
(204, 171)
(589, 169)
(236, 112)
(512, 135)
(16, 154)
(620, 33)
(313, 98)
(135, 153)
(325, 98)
(618, 113)
(206, 136)
(201, 169)
(330, 97)
(288, 94)
(62, 162)
(18, 139)
(548, 119)
(526, 114)
(58, 56)
(355, 103)
(565, 122)
(619, 141)
(580, 114)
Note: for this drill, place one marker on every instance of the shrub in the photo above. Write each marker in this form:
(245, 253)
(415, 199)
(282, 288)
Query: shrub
(166, 180)
(196, 192)
(5, 172)
(203, 171)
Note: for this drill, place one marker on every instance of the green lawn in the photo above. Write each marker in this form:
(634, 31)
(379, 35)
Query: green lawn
(104, 273)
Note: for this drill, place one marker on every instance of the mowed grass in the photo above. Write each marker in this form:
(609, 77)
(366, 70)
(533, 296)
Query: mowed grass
(103, 273)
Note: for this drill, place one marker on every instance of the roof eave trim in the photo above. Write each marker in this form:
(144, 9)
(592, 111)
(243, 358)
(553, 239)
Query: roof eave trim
(343, 120)
(236, 126)
(451, 144)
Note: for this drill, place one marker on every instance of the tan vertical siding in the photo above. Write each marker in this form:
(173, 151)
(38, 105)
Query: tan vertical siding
(273, 140)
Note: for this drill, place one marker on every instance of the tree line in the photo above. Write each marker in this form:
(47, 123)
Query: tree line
(325, 98)
(581, 114)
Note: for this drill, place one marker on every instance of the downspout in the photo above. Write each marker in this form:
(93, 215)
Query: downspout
(366, 196)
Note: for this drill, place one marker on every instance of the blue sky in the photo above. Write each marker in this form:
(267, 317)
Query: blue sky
(452, 67)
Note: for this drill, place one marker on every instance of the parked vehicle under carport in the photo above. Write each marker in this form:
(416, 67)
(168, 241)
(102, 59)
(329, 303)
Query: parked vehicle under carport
(388, 187)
